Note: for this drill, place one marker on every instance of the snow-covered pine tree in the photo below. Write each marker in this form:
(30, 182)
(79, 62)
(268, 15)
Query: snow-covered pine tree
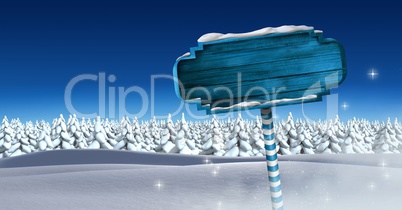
(368, 136)
(193, 136)
(386, 141)
(359, 145)
(303, 135)
(135, 137)
(204, 135)
(257, 138)
(315, 134)
(398, 132)
(148, 144)
(44, 138)
(75, 133)
(354, 142)
(6, 135)
(15, 149)
(124, 135)
(67, 139)
(340, 131)
(171, 127)
(196, 136)
(281, 138)
(329, 142)
(226, 128)
(88, 134)
(213, 141)
(100, 136)
(110, 133)
(168, 134)
(154, 133)
(238, 145)
(168, 137)
(60, 137)
(183, 139)
(288, 142)
(22, 136)
(165, 137)
(138, 136)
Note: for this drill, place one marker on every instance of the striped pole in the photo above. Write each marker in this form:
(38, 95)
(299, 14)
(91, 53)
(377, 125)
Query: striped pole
(272, 159)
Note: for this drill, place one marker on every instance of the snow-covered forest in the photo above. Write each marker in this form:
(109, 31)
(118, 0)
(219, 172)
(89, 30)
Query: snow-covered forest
(229, 137)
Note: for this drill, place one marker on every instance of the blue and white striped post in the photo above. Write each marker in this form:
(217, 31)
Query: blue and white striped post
(272, 159)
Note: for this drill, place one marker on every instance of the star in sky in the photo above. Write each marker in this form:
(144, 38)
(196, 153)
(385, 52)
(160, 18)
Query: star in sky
(345, 106)
(373, 74)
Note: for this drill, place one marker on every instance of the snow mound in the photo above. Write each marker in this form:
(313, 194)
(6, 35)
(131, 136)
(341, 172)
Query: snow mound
(88, 157)
(312, 182)
(264, 31)
(256, 103)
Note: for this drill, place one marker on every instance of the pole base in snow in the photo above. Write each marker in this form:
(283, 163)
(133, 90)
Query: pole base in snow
(272, 159)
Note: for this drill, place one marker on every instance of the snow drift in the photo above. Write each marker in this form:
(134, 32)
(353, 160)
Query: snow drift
(87, 179)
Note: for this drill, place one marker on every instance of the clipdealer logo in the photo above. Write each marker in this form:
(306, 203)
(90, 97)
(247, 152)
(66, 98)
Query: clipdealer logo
(147, 102)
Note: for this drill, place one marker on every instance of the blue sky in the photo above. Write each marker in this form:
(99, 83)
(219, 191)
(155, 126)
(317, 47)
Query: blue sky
(45, 44)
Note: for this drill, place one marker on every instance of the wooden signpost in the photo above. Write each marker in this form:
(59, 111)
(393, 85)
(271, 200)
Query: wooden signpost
(259, 70)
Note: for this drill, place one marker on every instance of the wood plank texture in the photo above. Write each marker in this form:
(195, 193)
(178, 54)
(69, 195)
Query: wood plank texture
(260, 69)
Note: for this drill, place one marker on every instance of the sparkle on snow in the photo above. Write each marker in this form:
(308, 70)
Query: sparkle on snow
(215, 172)
(383, 163)
(386, 175)
(371, 186)
(219, 205)
(158, 185)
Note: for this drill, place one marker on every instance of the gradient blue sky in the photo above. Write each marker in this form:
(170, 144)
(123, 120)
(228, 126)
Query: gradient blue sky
(44, 44)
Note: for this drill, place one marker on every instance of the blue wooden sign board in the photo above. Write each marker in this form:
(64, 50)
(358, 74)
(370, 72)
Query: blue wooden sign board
(261, 71)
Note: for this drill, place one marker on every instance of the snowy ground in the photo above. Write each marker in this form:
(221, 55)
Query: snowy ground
(108, 179)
